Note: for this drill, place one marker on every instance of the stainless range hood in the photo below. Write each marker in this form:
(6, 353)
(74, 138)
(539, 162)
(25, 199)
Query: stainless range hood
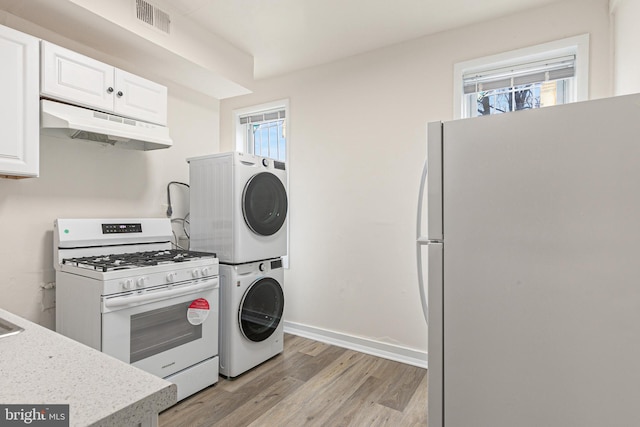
(66, 120)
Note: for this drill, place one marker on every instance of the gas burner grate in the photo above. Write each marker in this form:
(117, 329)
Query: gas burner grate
(124, 261)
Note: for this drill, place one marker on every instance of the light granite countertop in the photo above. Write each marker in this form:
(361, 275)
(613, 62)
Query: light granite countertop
(39, 366)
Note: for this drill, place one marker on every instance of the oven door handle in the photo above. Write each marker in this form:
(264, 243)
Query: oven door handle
(148, 297)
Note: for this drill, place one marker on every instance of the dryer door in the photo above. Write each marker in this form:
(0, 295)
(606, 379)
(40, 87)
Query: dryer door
(264, 204)
(261, 309)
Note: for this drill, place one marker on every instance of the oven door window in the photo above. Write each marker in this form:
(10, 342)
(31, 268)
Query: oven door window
(156, 331)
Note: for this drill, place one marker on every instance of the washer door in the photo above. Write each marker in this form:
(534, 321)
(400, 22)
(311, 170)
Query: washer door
(264, 204)
(261, 309)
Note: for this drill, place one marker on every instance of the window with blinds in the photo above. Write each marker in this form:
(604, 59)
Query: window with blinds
(520, 86)
(265, 133)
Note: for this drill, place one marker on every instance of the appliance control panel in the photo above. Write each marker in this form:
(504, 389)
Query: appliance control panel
(121, 228)
(160, 275)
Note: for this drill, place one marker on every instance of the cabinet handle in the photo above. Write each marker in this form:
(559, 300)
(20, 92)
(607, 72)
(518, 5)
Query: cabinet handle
(119, 93)
(109, 90)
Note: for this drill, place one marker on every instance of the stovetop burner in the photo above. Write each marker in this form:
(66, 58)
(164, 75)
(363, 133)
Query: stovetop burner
(124, 261)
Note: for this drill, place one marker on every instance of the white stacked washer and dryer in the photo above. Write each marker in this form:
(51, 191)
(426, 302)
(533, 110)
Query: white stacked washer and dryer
(238, 209)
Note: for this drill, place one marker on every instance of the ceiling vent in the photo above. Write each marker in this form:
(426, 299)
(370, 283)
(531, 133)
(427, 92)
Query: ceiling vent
(151, 15)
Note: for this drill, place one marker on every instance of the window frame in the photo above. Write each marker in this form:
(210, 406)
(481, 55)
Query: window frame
(577, 45)
(241, 143)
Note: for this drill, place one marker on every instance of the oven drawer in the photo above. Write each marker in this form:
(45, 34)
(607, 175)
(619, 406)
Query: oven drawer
(195, 378)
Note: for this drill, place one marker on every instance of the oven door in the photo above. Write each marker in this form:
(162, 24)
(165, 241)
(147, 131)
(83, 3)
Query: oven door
(163, 330)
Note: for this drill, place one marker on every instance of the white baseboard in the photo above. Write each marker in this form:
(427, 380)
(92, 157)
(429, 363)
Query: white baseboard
(363, 345)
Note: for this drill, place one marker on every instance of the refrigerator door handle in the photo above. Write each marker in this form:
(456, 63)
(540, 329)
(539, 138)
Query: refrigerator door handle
(423, 181)
(420, 240)
(421, 288)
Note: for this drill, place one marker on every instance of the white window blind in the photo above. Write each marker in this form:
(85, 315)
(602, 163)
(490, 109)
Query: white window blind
(268, 116)
(533, 72)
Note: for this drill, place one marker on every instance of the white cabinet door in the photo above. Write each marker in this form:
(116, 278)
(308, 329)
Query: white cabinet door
(140, 98)
(72, 77)
(19, 109)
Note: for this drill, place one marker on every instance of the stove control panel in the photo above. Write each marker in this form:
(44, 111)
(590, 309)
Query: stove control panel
(129, 284)
(121, 228)
(137, 279)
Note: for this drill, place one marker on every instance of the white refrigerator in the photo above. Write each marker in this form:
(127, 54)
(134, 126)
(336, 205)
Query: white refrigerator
(533, 245)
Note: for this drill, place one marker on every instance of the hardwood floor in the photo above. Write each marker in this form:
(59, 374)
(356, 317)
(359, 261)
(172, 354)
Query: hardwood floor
(310, 384)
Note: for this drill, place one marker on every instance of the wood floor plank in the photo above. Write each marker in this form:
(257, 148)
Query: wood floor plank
(312, 404)
(257, 406)
(314, 348)
(310, 384)
(201, 409)
(415, 413)
(294, 343)
(369, 393)
(315, 364)
(377, 415)
(345, 414)
(403, 388)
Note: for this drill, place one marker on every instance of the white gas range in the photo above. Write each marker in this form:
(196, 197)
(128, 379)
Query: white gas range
(121, 289)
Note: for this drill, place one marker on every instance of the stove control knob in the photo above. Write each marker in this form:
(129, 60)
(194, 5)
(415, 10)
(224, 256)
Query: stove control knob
(142, 282)
(206, 271)
(127, 284)
(195, 273)
(171, 277)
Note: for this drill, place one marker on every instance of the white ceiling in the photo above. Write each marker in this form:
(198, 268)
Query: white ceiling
(287, 35)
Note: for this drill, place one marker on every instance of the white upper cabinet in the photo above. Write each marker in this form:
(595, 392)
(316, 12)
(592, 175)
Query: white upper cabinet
(140, 98)
(19, 109)
(71, 77)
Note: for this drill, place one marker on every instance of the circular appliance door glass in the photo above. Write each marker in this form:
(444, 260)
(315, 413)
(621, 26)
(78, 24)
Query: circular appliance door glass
(264, 204)
(261, 309)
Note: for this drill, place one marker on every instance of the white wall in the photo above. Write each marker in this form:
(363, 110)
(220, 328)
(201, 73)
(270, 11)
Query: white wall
(357, 134)
(626, 34)
(84, 179)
